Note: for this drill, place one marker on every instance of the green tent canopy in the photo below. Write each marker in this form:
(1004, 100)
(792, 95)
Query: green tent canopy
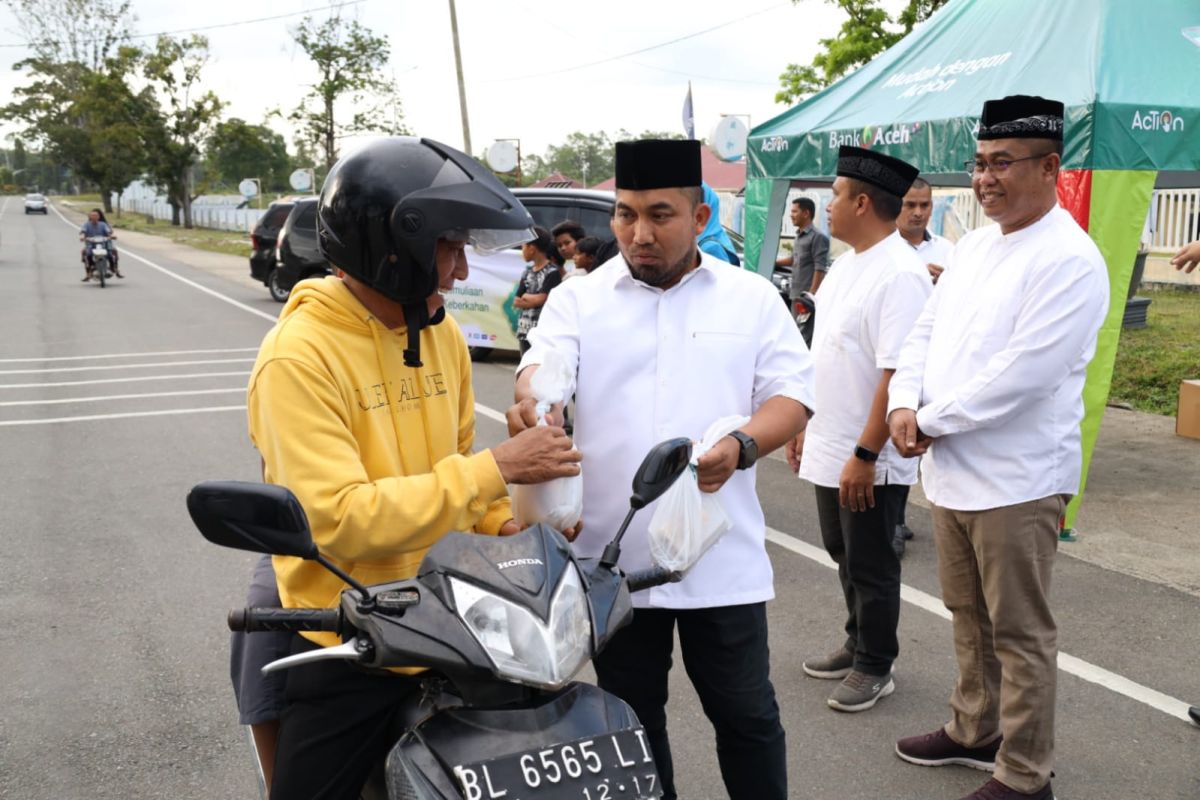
(1128, 72)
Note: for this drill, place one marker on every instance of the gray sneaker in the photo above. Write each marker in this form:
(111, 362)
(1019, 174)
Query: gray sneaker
(859, 691)
(832, 667)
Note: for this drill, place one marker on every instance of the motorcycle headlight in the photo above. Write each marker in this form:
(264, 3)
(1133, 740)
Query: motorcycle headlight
(522, 647)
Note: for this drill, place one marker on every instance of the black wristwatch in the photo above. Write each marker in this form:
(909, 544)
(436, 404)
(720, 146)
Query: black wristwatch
(865, 454)
(749, 452)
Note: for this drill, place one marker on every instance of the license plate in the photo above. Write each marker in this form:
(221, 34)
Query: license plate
(99, 251)
(612, 766)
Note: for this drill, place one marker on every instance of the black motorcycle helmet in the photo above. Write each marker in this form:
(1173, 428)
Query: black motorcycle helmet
(384, 207)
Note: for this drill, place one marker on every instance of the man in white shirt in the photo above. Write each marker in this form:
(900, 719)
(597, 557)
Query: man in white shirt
(664, 340)
(868, 305)
(934, 251)
(990, 384)
(913, 224)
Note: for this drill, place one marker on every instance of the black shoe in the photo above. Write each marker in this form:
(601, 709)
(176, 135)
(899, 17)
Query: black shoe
(898, 543)
(1194, 713)
(904, 529)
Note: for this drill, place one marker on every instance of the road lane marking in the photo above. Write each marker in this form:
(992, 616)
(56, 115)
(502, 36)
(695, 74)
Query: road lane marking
(1067, 663)
(127, 415)
(122, 380)
(148, 395)
(127, 366)
(180, 278)
(127, 355)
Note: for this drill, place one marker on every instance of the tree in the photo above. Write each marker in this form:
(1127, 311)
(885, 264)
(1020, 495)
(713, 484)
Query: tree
(180, 122)
(88, 119)
(85, 32)
(865, 34)
(349, 60)
(238, 150)
(585, 156)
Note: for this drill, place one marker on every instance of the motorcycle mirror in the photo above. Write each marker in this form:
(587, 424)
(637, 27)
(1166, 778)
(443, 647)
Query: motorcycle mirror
(251, 516)
(665, 462)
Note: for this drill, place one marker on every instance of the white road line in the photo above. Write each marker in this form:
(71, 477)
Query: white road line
(490, 413)
(127, 366)
(2, 207)
(180, 278)
(122, 380)
(127, 355)
(61, 400)
(1067, 663)
(128, 415)
(927, 602)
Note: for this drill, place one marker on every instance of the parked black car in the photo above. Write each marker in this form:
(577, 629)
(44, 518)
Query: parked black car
(548, 207)
(296, 254)
(262, 241)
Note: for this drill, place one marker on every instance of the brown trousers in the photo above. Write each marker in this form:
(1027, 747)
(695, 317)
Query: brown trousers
(995, 568)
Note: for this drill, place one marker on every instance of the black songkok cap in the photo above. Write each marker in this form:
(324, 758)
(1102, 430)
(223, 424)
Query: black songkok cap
(658, 164)
(1020, 116)
(890, 174)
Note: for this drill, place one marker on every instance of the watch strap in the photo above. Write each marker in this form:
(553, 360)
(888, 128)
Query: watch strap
(865, 454)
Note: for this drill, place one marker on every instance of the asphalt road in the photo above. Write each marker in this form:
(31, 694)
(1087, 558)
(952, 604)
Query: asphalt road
(113, 653)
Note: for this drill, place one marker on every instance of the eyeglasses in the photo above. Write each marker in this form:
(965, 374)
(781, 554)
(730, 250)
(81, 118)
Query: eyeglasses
(977, 166)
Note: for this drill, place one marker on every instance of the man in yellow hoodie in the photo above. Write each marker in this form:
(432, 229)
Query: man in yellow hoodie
(361, 403)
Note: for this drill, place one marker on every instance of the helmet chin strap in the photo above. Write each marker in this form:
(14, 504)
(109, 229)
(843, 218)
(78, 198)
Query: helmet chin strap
(416, 317)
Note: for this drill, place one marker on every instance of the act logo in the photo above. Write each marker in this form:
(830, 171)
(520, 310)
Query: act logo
(1163, 121)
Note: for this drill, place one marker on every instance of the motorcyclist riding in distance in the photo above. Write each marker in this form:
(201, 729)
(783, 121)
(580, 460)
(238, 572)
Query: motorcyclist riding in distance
(96, 225)
(361, 403)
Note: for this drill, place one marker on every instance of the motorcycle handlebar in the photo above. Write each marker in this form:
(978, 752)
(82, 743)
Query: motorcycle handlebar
(655, 576)
(288, 620)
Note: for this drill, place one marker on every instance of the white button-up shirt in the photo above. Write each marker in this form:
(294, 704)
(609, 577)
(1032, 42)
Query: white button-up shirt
(652, 365)
(865, 310)
(997, 361)
(934, 249)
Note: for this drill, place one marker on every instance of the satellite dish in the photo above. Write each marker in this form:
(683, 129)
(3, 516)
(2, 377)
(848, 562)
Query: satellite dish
(301, 180)
(248, 188)
(728, 139)
(502, 157)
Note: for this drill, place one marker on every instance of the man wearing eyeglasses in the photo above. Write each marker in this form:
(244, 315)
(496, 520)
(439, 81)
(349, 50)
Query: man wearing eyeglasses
(989, 385)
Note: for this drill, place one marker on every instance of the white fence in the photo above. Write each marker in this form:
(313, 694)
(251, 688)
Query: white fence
(1174, 216)
(220, 218)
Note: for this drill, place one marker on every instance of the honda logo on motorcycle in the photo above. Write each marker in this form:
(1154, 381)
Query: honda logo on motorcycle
(521, 562)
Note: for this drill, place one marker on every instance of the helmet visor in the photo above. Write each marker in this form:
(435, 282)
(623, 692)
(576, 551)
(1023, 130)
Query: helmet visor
(493, 240)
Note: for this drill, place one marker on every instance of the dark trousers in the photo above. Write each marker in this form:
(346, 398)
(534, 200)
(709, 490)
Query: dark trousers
(726, 657)
(903, 502)
(860, 542)
(338, 724)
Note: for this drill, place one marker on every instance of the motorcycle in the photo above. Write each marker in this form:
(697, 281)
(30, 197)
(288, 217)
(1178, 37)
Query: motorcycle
(804, 308)
(96, 250)
(502, 624)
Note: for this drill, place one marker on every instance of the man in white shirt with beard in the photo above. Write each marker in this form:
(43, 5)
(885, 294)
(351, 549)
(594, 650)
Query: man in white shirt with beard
(663, 340)
(990, 383)
(868, 305)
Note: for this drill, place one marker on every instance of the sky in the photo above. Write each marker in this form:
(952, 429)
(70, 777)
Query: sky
(536, 70)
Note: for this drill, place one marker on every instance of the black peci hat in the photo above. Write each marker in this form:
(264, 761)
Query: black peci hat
(890, 174)
(658, 164)
(1021, 116)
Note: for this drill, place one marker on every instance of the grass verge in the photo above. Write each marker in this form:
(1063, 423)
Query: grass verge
(1153, 360)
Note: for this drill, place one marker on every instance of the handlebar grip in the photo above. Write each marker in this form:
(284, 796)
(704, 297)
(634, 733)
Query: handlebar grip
(655, 576)
(288, 620)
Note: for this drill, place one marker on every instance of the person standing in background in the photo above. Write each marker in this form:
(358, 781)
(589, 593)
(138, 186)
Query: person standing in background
(542, 275)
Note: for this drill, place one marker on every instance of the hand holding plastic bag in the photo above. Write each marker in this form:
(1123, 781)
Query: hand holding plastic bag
(686, 521)
(559, 502)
